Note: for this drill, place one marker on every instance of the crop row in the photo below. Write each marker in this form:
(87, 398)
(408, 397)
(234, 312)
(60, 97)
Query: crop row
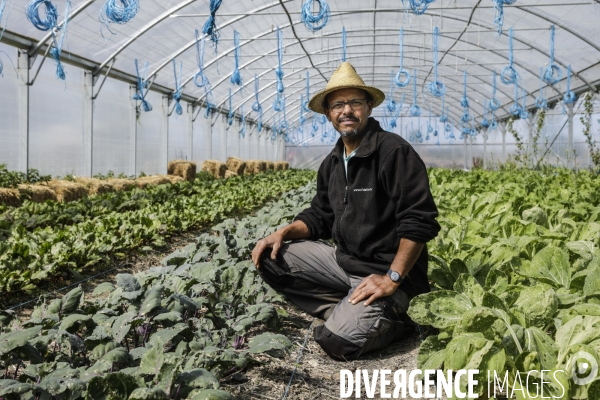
(40, 241)
(517, 272)
(169, 332)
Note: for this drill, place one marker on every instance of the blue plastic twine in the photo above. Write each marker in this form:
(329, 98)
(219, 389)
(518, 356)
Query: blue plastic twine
(499, 13)
(464, 101)
(230, 113)
(141, 86)
(177, 95)
(553, 73)
(343, 44)
(208, 95)
(524, 113)
(391, 104)
(484, 122)
(494, 102)
(315, 22)
(402, 71)
(540, 101)
(256, 107)
(243, 128)
(509, 74)
(236, 78)
(418, 7)
(210, 27)
(302, 119)
(118, 12)
(394, 117)
(279, 70)
(443, 117)
(58, 44)
(200, 79)
(414, 109)
(437, 88)
(515, 109)
(569, 97)
(33, 14)
(304, 104)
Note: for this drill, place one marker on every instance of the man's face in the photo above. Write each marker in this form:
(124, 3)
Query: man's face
(348, 119)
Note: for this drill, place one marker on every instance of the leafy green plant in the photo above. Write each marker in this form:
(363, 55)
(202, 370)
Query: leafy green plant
(586, 120)
(11, 179)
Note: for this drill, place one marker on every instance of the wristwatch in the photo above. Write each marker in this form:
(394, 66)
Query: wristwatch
(394, 276)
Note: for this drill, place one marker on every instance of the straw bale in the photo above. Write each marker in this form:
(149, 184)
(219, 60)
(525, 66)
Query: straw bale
(261, 166)
(120, 184)
(250, 167)
(37, 193)
(95, 186)
(185, 169)
(175, 178)
(215, 168)
(229, 174)
(281, 165)
(270, 165)
(143, 182)
(10, 197)
(67, 191)
(236, 165)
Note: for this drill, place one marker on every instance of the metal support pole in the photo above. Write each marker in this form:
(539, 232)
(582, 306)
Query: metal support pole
(23, 67)
(485, 136)
(466, 155)
(164, 137)
(503, 130)
(191, 110)
(471, 151)
(88, 123)
(135, 111)
(570, 150)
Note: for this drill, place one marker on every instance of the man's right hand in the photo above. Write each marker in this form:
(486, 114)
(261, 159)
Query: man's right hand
(273, 241)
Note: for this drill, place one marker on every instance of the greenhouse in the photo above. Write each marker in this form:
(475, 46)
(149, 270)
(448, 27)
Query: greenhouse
(153, 154)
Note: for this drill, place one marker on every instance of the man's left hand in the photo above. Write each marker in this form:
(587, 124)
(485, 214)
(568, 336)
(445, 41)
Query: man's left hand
(373, 287)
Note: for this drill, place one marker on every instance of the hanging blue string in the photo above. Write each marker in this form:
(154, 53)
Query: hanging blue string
(494, 102)
(509, 74)
(257, 107)
(118, 12)
(464, 101)
(208, 95)
(569, 97)
(279, 70)
(391, 104)
(343, 44)
(402, 71)
(33, 14)
(553, 73)
(243, 128)
(178, 87)
(394, 117)
(524, 113)
(305, 103)
(200, 79)
(499, 13)
(419, 7)
(484, 122)
(540, 101)
(315, 127)
(429, 126)
(2, 7)
(437, 88)
(142, 86)
(302, 119)
(414, 109)
(315, 22)
(236, 78)
(56, 50)
(210, 27)
(443, 117)
(230, 113)
(284, 123)
(515, 109)
(278, 103)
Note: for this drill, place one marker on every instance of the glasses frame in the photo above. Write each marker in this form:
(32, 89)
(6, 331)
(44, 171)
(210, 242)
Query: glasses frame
(344, 103)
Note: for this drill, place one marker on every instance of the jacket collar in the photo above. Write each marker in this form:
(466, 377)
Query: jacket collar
(367, 144)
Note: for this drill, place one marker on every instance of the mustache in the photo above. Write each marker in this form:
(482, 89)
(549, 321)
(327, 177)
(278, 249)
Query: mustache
(350, 118)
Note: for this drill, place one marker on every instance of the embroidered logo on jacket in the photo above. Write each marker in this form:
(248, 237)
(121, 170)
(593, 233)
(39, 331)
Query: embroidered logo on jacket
(364, 190)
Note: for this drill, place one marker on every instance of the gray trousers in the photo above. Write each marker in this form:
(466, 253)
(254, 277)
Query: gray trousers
(309, 276)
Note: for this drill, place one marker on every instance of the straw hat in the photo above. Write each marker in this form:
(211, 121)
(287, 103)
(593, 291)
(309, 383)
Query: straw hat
(345, 77)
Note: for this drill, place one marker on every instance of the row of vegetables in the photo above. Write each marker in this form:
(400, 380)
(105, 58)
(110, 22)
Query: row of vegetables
(42, 241)
(171, 332)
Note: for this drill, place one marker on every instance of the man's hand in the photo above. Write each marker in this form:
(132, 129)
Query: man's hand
(273, 241)
(373, 287)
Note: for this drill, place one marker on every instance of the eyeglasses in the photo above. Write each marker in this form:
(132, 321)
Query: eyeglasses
(355, 104)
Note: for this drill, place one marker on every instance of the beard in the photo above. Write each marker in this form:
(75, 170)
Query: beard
(350, 133)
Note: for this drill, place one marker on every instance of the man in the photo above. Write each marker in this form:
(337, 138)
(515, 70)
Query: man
(373, 200)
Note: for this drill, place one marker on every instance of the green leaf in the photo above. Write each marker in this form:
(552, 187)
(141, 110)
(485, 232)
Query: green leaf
(538, 305)
(121, 326)
(104, 287)
(195, 379)
(152, 361)
(267, 342)
(12, 340)
(442, 309)
(538, 341)
(212, 394)
(74, 322)
(148, 394)
(118, 355)
(152, 300)
(432, 353)
(128, 283)
(550, 265)
(579, 330)
(113, 386)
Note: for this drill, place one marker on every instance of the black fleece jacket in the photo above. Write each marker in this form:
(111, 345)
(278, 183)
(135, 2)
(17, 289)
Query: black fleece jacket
(386, 197)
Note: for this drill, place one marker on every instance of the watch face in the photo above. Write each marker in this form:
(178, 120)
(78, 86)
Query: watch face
(395, 276)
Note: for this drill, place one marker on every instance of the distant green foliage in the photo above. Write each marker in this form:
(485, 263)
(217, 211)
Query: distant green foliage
(11, 179)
